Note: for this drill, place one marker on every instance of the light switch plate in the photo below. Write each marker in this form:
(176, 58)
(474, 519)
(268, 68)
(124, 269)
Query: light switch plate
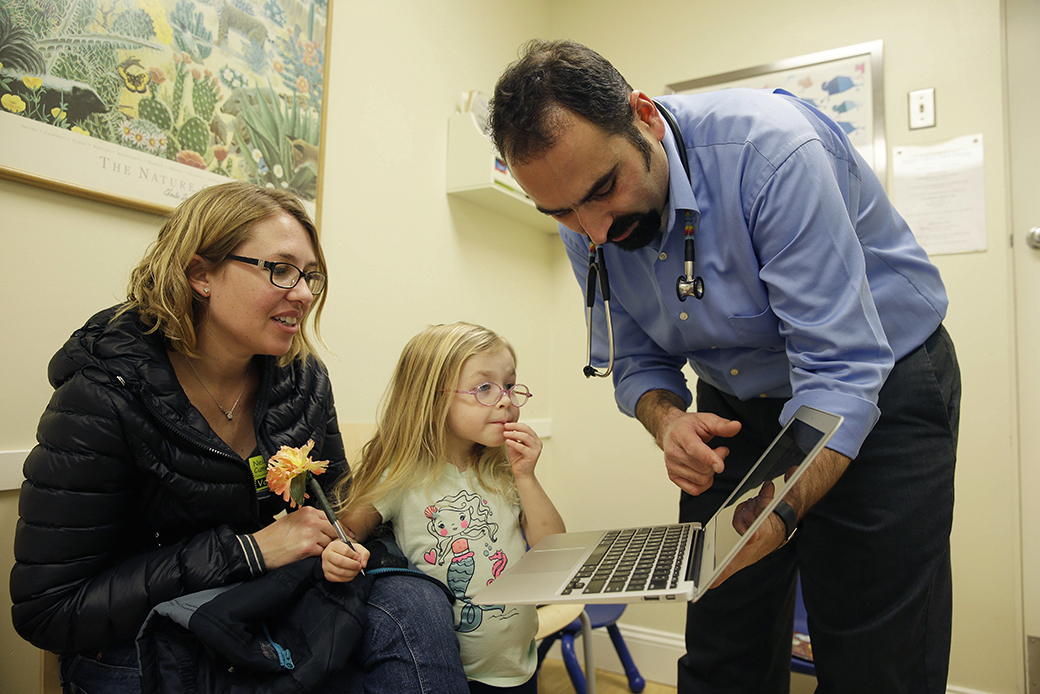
(922, 108)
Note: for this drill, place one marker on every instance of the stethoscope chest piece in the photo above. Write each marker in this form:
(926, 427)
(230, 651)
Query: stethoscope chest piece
(689, 284)
(684, 287)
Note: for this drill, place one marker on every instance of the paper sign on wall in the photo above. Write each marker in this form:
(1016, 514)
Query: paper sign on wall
(940, 192)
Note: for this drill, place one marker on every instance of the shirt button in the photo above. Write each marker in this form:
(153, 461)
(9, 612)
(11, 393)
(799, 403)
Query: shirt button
(683, 315)
(663, 256)
(733, 372)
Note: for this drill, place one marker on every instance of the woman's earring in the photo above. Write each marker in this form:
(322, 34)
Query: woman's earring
(206, 290)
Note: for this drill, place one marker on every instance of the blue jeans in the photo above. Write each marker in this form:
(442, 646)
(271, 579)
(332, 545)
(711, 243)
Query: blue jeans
(409, 647)
(873, 555)
(112, 670)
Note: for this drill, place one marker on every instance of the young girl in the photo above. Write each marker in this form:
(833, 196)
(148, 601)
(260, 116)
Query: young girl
(453, 469)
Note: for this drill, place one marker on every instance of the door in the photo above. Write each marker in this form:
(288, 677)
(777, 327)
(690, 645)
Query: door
(1023, 45)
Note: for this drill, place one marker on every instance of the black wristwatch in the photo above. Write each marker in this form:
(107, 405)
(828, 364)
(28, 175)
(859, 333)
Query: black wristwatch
(790, 519)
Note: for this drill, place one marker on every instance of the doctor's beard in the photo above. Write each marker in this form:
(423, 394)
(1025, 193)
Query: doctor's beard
(647, 224)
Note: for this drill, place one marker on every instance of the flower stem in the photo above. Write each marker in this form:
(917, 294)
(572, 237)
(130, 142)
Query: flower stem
(325, 506)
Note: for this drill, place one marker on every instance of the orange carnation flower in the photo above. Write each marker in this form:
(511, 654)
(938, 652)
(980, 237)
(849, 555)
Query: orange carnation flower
(287, 465)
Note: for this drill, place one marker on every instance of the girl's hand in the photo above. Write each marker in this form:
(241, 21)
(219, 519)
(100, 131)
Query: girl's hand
(524, 448)
(539, 517)
(341, 563)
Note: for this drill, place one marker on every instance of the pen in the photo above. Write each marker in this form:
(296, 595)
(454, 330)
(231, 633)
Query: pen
(327, 508)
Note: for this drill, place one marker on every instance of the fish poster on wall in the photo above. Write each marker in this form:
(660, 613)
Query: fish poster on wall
(844, 83)
(142, 102)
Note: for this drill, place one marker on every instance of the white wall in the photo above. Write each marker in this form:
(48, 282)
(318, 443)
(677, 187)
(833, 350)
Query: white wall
(403, 254)
(408, 255)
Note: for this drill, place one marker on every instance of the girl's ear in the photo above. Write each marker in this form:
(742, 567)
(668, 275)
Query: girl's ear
(198, 273)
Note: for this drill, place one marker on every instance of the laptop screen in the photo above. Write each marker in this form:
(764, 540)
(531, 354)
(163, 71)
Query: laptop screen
(790, 450)
(782, 464)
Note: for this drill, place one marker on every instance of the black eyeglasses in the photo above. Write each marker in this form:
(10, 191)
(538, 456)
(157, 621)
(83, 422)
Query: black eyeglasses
(287, 275)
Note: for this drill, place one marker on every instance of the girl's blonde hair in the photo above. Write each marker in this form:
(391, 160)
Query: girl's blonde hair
(409, 447)
(211, 224)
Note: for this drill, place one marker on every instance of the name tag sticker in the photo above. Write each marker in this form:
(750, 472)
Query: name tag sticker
(259, 467)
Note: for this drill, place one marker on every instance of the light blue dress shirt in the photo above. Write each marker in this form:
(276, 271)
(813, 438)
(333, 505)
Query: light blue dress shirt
(814, 285)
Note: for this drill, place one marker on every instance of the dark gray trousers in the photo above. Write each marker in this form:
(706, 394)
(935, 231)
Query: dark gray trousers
(873, 555)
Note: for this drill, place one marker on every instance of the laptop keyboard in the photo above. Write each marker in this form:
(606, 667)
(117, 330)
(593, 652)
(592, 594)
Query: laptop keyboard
(634, 560)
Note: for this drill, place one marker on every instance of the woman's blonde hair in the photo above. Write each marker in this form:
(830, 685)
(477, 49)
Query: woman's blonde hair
(211, 224)
(409, 447)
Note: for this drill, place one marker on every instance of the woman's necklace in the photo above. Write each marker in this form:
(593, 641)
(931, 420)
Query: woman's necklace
(227, 413)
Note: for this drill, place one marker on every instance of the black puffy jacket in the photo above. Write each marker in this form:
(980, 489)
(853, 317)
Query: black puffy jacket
(130, 499)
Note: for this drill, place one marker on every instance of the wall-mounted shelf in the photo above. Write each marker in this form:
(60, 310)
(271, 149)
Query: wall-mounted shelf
(477, 174)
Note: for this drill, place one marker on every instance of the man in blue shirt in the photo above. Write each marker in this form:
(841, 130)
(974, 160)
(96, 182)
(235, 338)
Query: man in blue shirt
(815, 292)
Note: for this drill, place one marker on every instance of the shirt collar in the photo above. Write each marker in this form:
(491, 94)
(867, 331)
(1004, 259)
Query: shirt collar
(680, 192)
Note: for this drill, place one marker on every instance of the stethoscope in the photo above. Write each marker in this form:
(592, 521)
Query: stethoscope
(688, 284)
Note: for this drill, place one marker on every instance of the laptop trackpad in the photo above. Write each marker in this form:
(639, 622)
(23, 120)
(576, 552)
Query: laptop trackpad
(549, 560)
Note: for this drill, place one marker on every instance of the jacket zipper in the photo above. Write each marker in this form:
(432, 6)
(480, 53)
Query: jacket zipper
(263, 439)
(188, 434)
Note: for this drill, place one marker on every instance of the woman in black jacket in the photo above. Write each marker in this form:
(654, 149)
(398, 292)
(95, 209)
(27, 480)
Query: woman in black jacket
(148, 481)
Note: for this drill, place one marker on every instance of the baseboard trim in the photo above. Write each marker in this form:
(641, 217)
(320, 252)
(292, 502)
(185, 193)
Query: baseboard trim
(655, 654)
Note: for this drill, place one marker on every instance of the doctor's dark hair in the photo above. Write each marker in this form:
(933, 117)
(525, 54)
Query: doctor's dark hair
(211, 224)
(524, 119)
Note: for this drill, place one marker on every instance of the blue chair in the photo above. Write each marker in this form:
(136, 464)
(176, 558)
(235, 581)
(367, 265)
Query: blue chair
(598, 616)
(801, 646)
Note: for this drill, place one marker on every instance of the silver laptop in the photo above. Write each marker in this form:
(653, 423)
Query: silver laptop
(674, 562)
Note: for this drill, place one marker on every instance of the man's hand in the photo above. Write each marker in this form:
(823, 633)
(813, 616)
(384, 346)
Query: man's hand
(748, 511)
(802, 496)
(769, 537)
(683, 436)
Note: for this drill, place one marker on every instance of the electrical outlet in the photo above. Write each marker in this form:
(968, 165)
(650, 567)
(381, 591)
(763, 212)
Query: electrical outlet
(922, 108)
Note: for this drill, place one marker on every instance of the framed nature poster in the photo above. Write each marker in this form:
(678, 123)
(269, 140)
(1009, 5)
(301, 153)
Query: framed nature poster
(143, 102)
(845, 83)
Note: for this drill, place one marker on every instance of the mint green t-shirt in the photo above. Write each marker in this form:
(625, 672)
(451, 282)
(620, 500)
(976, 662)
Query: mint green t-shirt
(463, 536)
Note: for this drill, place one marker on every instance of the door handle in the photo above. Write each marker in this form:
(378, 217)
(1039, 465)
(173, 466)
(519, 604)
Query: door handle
(1033, 238)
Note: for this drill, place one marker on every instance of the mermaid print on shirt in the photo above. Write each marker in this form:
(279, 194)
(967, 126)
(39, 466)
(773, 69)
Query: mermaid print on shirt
(456, 521)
